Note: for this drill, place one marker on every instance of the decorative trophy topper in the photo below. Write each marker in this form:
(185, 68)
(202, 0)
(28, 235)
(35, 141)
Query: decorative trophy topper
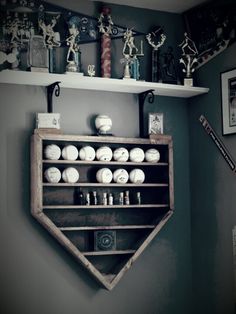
(130, 53)
(156, 39)
(188, 59)
(73, 52)
(105, 27)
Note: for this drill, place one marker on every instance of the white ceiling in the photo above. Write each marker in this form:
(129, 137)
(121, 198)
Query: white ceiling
(174, 6)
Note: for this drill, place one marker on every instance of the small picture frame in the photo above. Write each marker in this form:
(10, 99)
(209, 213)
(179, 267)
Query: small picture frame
(155, 123)
(228, 101)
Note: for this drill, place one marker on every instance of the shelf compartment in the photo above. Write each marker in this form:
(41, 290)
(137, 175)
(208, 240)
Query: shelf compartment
(126, 239)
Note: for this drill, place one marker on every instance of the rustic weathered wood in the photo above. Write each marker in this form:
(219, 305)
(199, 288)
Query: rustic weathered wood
(73, 225)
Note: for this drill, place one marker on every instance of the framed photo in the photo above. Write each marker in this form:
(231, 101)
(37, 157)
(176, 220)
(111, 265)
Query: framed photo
(228, 94)
(155, 123)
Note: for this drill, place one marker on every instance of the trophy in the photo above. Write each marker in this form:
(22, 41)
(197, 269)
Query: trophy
(130, 53)
(188, 59)
(156, 39)
(73, 53)
(51, 38)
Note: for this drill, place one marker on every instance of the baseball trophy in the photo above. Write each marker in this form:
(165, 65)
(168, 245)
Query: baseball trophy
(73, 53)
(105, 28)
(130, 53)
(189, 59)
(51, 39)
(156, 39)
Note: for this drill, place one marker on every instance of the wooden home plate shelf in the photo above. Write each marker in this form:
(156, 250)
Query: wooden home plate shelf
(131, 227)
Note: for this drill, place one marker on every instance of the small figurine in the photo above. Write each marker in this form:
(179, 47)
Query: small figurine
(91, 70)
(156, 39)
(188, 59)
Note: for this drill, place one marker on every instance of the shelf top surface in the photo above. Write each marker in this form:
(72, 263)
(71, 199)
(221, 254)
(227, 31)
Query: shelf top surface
(77, 81)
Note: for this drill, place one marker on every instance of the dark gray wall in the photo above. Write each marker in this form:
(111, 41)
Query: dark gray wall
(36, 275)
(213, 196)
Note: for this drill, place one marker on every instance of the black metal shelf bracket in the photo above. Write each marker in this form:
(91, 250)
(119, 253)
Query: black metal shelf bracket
(50, 90)
(142, 97)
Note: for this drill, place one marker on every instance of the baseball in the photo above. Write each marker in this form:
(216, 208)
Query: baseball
(104, 175)
(87, 153)
(70, 152)
(152, 155)
(121, 154)
(136, 154)
(52, 152)
(70, 175)
(104, 153)
(52, 175)
(120, 176)
(137, 176)
(103, 123)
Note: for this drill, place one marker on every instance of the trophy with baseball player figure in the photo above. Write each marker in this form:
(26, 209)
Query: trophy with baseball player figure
(73, 53)
(189, 59)
(156, 39)
(130, 53)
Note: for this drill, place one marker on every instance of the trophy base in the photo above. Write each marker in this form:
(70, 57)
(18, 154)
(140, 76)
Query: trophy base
(38, 69)
(72, 67)
(188, 82)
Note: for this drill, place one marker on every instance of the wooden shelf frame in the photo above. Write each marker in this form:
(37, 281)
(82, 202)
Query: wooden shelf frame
(38, 209)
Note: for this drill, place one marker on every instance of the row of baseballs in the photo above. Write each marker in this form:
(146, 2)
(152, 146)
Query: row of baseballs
(103, 175)
(103, 153)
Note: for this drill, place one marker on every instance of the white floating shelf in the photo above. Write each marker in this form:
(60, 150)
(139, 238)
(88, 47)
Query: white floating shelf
(78, 81)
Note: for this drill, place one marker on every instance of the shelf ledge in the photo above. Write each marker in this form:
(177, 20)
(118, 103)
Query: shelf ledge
(118, 227)
(99, 83)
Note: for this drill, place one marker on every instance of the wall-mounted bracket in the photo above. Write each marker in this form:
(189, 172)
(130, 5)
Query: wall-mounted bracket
(50, 90)
(142, 97)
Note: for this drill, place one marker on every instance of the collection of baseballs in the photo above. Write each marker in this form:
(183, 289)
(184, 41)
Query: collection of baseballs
(103, 153)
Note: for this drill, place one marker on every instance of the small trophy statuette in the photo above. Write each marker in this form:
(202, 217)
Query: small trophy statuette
(130, 53)
(73, 51)
(188, 59)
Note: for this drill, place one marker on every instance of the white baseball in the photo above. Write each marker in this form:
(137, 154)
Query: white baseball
(121, 154)
(120, 176)
(137, 176)
(104, 153)
(103, 123)
(70, 175)
(52, 175)
(136, 154)
(152, 155)
(70, 152)
(104, 175)
(87, 153)
(52, 152)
